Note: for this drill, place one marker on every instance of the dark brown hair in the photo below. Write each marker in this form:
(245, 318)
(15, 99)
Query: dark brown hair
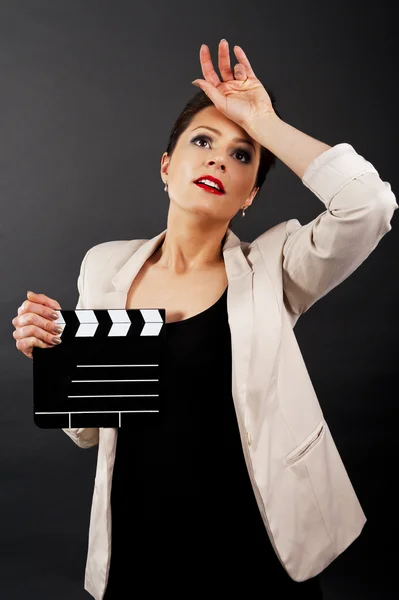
(199, 101)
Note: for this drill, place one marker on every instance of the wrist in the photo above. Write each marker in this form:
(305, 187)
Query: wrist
(264, 128)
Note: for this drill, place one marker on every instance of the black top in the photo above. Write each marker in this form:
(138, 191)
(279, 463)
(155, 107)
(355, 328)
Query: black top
(182, 502)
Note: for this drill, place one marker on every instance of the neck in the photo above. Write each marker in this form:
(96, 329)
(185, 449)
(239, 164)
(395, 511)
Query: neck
(191, 245)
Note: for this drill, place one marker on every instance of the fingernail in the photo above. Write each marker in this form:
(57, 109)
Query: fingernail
(29, 292)
(223, 40)
(54, 315)
(56, 340)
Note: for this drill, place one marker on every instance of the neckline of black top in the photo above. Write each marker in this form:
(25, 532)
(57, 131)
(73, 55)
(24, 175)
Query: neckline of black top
(198, 315)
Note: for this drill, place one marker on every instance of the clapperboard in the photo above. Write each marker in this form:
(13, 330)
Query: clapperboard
(107, 372)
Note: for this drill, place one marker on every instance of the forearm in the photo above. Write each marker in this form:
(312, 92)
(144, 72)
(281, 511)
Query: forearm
(293, 147)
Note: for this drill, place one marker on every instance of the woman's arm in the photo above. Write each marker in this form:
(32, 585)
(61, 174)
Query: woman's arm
(294, 148)
(359, 207)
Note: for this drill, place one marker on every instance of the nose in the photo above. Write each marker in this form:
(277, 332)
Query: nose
(218, 161)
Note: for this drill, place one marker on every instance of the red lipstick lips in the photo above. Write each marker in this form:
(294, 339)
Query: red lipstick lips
(210, 188)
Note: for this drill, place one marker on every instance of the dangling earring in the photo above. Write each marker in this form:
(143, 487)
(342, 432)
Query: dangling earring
(243, 212)
(166, 187)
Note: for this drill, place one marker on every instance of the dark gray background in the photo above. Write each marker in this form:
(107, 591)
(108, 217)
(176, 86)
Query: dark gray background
(89, 93)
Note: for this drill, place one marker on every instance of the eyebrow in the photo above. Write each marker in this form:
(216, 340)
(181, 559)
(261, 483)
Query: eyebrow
(236, 139)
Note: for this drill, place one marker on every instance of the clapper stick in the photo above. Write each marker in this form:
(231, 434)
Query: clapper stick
(107, 372)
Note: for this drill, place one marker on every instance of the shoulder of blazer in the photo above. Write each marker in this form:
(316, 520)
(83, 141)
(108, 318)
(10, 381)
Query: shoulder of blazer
(271, 242)
(105, 250)
(117, 251)
(93, 261)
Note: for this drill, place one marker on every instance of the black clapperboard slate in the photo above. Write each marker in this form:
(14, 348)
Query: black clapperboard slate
(107, 372)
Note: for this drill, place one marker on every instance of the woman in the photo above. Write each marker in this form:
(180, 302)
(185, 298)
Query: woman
(239, 487)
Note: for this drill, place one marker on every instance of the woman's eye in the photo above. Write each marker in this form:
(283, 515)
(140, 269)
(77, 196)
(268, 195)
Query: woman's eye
(247, 156)
(202, 138)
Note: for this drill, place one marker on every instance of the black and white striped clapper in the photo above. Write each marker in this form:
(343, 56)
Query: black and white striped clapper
(107, 372)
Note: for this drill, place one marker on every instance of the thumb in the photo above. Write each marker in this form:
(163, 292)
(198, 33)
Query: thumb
(217, 97)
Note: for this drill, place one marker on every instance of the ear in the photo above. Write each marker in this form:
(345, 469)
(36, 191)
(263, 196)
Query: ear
(251, 197)
(164, 166)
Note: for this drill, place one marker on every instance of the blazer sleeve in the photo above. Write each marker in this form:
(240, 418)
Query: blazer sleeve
(318, 256)
(84, 437)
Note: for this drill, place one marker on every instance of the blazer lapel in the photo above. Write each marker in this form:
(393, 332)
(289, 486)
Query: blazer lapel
(240, 313)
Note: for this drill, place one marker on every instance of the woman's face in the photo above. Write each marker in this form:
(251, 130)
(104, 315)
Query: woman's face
(201, 151)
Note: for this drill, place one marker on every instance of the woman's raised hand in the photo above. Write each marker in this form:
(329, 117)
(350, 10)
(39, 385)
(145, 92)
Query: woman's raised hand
(240, 96)
(34, 325)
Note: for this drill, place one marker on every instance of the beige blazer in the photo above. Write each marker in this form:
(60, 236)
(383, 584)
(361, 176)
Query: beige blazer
(309, 507)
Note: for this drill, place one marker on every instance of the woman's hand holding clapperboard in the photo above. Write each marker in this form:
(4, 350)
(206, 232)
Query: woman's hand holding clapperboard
(34, 325)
